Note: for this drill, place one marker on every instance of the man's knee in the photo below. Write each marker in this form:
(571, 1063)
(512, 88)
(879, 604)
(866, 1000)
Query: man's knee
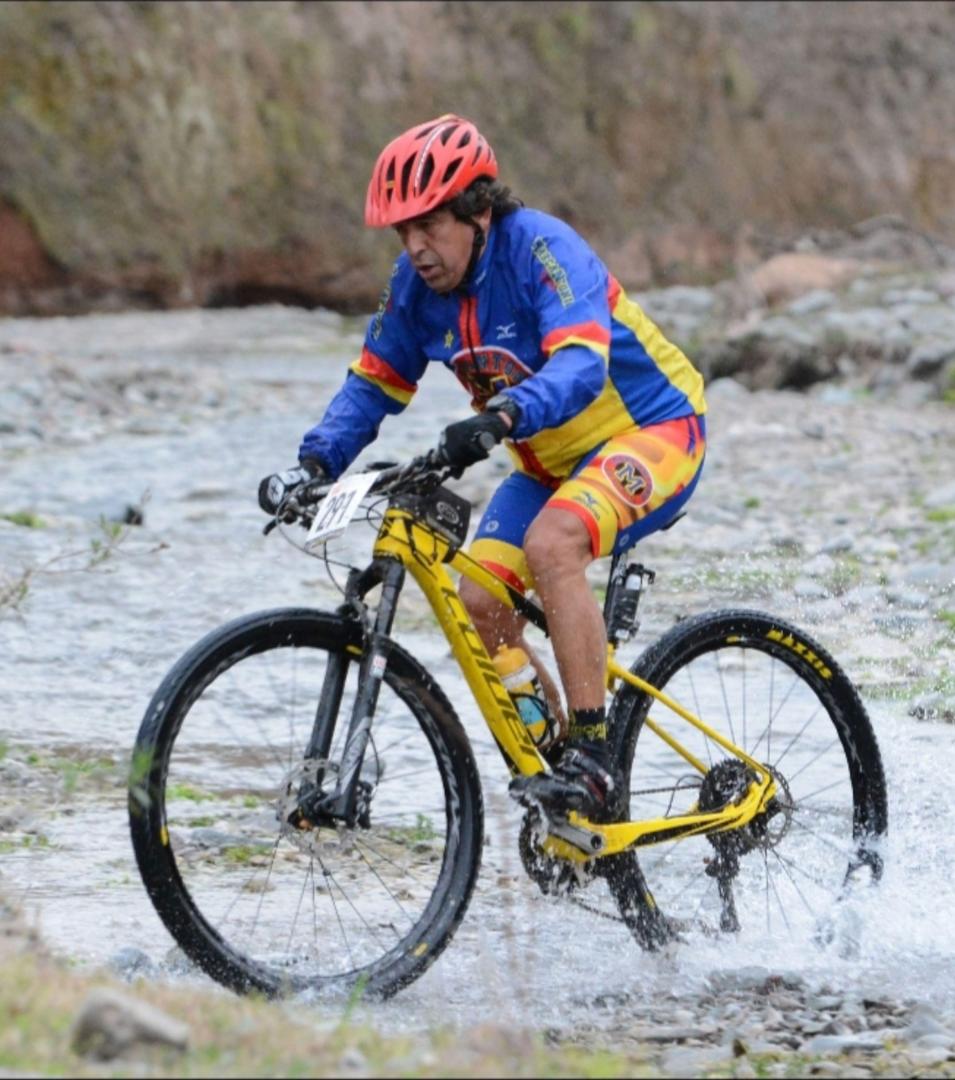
(557, 542)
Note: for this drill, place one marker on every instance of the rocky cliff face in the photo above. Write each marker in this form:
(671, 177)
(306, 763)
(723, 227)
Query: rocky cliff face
(217, 153)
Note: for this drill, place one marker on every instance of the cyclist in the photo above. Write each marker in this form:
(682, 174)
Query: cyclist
(602, 415)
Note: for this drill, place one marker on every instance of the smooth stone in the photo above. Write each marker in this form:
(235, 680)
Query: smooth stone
(841, 1044)
(692, 1061)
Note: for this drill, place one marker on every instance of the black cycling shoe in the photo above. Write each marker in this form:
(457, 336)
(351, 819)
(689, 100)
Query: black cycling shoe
(584, 780)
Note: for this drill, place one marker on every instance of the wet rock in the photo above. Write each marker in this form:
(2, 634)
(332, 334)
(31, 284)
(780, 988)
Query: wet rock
(812, 301)
(674, 1034)
(942, 498)
(693, 1061)
(119, 513)
(175, 962)
(111, 1024)
(842, 1044)
(130, 962)
(808, 589)
(928, 358)
(15, 773)
(207, 837)
(925, 1022)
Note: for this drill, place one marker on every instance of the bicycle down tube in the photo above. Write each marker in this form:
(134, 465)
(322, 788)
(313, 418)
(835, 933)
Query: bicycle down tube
(424, 553)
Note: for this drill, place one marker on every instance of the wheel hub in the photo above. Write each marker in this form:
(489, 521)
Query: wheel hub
(726, 784)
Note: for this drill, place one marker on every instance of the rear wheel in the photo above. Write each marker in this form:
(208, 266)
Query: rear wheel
(260, 899)
(769, 688)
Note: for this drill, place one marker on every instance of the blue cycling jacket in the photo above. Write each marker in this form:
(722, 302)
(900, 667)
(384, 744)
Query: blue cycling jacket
(541, 319)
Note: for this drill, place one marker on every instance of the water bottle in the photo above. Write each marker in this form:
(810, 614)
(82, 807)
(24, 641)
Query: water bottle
(521, 682)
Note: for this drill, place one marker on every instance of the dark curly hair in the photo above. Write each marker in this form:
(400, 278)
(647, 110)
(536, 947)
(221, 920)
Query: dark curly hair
(481, 194)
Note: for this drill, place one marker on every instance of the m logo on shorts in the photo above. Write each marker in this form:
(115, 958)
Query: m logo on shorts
(630, 479)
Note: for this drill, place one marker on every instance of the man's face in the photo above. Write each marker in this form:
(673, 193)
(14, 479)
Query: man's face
(439, 246)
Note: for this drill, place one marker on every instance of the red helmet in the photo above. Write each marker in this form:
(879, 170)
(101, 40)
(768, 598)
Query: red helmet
(425, 167)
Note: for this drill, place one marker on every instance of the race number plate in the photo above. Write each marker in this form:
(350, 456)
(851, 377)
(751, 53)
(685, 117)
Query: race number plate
(338, 507)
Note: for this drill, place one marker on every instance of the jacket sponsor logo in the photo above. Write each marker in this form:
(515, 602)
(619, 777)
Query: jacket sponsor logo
(384, 304)
(629, 477)
(505, 333)
(556, 274)
(589, 503)
(486, 370)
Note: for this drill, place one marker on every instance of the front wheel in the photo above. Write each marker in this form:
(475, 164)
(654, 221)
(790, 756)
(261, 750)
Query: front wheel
(770, 689)
(260, 899)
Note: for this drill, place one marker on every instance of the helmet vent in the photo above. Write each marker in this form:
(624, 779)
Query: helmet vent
(427, 168)
(405, 177)
(449, 172)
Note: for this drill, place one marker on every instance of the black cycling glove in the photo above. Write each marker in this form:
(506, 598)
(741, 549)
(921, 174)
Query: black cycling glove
(274, 489)
(470, 441)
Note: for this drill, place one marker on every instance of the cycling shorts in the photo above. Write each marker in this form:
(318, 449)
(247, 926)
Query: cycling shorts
(632, 485)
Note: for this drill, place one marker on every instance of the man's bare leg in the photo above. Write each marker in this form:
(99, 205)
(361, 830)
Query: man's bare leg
(558, 553)
(497, 625)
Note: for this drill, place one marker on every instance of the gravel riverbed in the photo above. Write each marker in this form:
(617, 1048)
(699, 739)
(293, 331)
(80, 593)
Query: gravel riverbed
(833, 507)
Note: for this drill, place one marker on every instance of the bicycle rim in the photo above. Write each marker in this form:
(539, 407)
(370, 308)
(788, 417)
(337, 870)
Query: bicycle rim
(771, 690)
(259, 903)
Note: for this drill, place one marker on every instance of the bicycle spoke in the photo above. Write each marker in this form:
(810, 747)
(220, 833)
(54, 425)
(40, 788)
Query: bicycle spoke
(825, 750)
(796, 737)
(803, 799)
(726, 704)
(391, 862)
(338, 917)
(779, 903)
(699, 712)
(384, 885)
(818, 882)
(298, 908)
(795, 885)
(739, 677)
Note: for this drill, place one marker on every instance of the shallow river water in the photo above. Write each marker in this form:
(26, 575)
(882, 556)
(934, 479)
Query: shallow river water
(222, 398)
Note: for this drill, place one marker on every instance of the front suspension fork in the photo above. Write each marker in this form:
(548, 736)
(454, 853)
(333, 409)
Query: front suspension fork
(343, 804)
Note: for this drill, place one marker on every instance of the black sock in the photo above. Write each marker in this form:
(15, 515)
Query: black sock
(588, 724)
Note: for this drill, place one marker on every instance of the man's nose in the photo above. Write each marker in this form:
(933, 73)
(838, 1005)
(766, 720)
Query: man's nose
(414, 240)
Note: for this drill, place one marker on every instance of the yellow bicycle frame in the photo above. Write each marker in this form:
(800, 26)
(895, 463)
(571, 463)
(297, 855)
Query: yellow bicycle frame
(425, 553)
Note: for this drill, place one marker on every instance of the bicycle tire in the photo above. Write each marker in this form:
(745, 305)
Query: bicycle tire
(702, 663)
(221, 757)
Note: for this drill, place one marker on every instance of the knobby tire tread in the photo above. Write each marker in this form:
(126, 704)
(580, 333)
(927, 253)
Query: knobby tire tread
(183, 685)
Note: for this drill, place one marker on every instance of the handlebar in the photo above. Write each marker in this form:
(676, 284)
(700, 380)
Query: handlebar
(422, 473)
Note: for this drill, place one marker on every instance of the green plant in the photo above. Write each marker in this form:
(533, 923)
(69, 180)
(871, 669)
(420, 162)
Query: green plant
(242, 854)
(943, 515)
(26, 518)
(186, 791)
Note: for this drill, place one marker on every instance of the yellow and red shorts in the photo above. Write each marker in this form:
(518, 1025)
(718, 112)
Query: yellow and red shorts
(632, 485)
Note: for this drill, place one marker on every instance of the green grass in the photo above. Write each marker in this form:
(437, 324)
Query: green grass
(26, 518)
(421, 832)
(186, 791)
(242, 854)
(942, 515)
